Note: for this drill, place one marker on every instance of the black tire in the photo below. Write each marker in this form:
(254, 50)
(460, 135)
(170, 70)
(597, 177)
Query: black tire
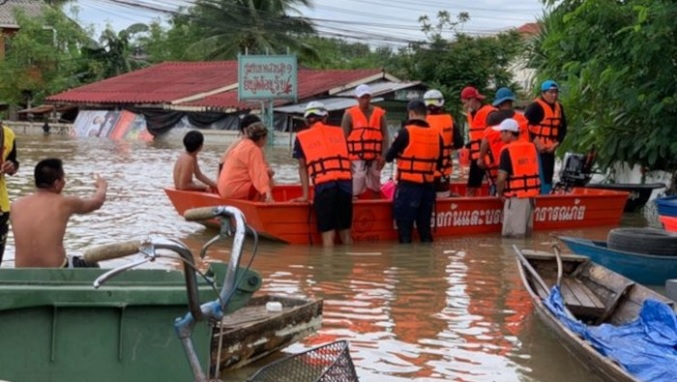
(643, 240)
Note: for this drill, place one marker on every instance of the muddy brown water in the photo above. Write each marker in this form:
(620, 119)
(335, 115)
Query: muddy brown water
(454, 310)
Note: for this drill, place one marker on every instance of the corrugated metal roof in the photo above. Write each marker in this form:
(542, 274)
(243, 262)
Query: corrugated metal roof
(159, 84)
(32, 9)
(334, 103)
(380, 88)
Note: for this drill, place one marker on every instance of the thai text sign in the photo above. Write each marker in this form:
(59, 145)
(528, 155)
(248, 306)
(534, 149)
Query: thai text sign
(267, 77)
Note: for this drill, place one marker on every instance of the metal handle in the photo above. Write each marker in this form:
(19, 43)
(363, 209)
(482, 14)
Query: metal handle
(111, 251)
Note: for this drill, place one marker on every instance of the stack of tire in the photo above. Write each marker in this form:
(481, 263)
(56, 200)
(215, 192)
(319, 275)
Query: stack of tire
(648, 241)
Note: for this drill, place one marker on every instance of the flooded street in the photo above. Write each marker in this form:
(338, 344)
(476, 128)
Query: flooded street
(455, 310)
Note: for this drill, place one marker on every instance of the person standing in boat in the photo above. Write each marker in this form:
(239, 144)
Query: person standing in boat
(39, 220)
(418, 149)
(476, 113)
(452, 138)
(245, 172)
(491, 143)
(518, 180)
(322, 153)
(548, 127)
(187, 165)
(9, 165)
(366, 127)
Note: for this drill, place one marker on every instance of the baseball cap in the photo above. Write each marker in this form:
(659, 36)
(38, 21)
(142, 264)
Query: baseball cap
(362, 91)
(433, 97)
(470, 92)
(502, 95)
(315, 108)
(548, 85)
(508, 124)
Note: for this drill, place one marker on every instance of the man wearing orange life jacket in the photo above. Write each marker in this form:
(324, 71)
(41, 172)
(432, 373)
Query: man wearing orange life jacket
(476, 114)
(548, 127)
(492, 143)
(444, 124)
(518, 180)
(366, 127)
(418, 149)
(323, 158)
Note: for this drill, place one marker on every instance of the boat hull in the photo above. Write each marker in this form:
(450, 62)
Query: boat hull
(54, 326)
(642, 268)
(669, 223)
(638, 194)
(294, 223)
(667, 206)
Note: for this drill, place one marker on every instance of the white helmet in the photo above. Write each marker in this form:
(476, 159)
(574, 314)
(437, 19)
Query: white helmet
(315, 108)
(433, 97)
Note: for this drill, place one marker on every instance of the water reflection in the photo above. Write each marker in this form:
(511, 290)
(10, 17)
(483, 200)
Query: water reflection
(454, 310)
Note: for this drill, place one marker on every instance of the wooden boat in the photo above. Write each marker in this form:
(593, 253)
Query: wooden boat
(593, 294)
(669, 223)
(253, 332)
(667, 206)
(642, 268)
(294, 223)
(638, 194)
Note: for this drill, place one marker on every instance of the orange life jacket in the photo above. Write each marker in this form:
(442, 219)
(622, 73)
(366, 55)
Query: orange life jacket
(418, 161)
(523, 123)
(524, 181)
(548, 129)
(326, 153)
(476, 126)
(365, 141)
(492, 158)
(444, 125)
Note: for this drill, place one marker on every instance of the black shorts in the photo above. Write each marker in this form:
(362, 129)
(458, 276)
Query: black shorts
(333, 209)
(475, 175)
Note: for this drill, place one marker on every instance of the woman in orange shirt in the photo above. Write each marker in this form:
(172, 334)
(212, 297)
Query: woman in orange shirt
(244, 174)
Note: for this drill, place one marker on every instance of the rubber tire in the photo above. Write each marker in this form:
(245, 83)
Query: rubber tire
(649, 241)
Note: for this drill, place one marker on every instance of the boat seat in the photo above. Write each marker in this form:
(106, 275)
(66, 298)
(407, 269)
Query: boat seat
(580, 300)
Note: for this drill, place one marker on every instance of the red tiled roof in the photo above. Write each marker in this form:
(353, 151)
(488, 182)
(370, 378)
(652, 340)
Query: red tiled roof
(529, 29)
(311, 83)
(162, 83)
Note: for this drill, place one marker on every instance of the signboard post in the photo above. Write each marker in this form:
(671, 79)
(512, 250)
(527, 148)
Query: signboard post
(266, 79)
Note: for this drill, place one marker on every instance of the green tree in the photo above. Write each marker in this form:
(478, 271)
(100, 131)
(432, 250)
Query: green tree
(116, 53)
(333, 53)
(617, 64)
(41, 58)
(230, 27)
(450, 64)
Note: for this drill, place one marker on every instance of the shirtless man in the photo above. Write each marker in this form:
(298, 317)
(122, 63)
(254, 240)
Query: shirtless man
(187, 166)
(39, 220)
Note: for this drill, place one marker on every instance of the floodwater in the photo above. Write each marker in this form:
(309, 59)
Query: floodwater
(454, 310)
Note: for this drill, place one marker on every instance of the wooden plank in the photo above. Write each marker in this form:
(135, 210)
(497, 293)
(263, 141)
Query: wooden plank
(612, 307)
(583, 294)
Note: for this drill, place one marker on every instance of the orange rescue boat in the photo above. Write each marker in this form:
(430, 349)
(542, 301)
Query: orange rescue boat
(294, 223)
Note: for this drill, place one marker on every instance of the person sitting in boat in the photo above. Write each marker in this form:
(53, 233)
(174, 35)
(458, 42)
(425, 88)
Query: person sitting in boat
(418, 149)
(246, 121)
(245, 172)
(39, 220)
(518, 180)
(187, 165)
(322, 153)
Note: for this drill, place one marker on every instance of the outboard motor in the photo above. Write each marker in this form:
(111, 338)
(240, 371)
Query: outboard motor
(576, 171)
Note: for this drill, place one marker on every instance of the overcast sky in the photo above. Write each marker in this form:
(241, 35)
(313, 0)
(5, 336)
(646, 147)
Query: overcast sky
(389, 22)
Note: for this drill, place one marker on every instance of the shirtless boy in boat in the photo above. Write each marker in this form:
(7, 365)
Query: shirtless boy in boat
(187, 165)
(39, 220)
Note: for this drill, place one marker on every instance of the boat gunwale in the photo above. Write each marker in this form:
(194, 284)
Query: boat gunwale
(593, 244)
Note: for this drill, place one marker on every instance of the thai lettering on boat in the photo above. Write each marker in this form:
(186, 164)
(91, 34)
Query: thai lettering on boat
(466, 218)
(565, 213)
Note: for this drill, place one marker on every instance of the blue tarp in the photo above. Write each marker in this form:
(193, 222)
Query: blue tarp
(645, 348)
